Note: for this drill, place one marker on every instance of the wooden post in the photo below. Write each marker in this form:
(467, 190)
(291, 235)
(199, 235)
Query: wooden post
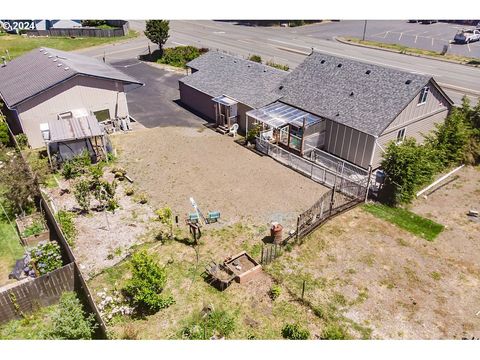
(332, 199)
(303, 136)
(303, 288)
(298, 224)
(263, 246)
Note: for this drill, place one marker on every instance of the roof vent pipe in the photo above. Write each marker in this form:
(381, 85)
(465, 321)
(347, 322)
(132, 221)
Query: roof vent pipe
(408, 82)
(368, 72)
(339, 65)
(351, 94)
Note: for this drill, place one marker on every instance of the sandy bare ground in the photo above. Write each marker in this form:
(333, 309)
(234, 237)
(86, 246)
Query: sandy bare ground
(175, 163)
(386, 279)
(104, 238)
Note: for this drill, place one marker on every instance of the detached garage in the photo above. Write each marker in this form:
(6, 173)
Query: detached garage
(44, 83)
(222, 88)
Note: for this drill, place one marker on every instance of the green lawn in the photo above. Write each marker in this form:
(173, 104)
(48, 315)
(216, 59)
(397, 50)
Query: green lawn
(10, 250)
(18, 45)
(413, 223)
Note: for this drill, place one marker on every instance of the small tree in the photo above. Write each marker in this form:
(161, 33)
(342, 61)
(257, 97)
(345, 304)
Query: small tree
(295, 332)
(4, 137)
(70, 321)
(147, 283)
(157, 32)
(408, 166)
(255, 58)
(82, 194)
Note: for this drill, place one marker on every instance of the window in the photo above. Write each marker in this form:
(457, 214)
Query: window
(400, 135)
(102, 115)
(423, 95)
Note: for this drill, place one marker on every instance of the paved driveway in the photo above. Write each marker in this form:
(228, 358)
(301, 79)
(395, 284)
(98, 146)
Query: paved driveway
(155, 104)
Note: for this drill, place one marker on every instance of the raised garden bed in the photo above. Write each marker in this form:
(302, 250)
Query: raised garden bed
(244, 267)
(32, 229)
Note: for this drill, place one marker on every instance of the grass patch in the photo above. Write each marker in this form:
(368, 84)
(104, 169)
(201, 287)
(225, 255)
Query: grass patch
(10, 249)
(414, 51)
(413, 223)
(18, 45)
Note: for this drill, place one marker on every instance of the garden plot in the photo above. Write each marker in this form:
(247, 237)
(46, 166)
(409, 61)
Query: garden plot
(173, 164)
(104, 237)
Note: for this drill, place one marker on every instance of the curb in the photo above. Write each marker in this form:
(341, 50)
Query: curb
(343, 41)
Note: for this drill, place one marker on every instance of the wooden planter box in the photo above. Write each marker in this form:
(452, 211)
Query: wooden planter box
(24, 222)
(244, 267)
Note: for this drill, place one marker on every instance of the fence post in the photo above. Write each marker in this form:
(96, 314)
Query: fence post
(303, 289)
(263, 247)
(298, 225)
(332, 198)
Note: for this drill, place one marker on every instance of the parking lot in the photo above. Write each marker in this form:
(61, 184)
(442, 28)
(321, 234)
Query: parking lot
(422, 36)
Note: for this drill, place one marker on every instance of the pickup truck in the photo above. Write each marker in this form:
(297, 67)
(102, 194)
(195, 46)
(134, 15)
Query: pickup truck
(467, 36)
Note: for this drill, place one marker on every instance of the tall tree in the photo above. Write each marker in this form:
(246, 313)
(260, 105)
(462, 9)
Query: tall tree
(157, 32)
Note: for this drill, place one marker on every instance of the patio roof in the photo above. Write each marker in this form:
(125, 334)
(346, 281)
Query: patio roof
(225, 100)
(74, 128)
(278, 114)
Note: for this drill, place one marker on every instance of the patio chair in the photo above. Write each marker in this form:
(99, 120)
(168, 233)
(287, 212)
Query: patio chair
(233, 130)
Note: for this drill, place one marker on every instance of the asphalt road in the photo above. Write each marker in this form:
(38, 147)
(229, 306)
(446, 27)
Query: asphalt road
(291, 45)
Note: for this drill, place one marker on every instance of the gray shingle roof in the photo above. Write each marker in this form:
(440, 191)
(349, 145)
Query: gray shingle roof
(39, 70)
(248, 82)
(347, 94)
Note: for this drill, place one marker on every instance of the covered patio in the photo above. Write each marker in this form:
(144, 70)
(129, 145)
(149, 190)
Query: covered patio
(289, 127)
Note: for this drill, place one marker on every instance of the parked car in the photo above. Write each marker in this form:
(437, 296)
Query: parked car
(428, 22)
(467, 36)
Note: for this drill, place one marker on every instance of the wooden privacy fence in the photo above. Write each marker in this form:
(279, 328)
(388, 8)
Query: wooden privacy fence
(121, 29)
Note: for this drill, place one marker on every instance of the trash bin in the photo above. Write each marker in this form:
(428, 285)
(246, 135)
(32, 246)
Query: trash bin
(276, 232)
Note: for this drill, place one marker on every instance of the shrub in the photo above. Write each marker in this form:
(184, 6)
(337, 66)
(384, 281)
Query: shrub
(129, 191)
(4, 133)
(43, 258)
(275, 291)
(255, 58)
(146, 285)
(81, 191)
(218, 323)
(76, 166)
(70, 322)
(278, 66)
(112, 204)
(253, 133)
(295, 332)
(179, 56)
(334, 332)
(22, 141)
(65, 219)
(37, 227)
(142, 198)
(164, 215)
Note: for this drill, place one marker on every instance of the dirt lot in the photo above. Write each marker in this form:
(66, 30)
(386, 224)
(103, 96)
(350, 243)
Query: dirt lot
(174, 163)
(396, 284)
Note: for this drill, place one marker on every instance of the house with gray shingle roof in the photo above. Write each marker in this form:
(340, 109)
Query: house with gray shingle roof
(43, 83)
(343, 106)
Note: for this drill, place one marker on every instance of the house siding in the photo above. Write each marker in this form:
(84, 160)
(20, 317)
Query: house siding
(349, 144)
(93, 94)
(416, 129)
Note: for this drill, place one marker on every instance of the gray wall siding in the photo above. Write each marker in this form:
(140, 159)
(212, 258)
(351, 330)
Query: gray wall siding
(412, 112)
(416, 129)
(197, 101)
(348, 144)
(242, 117)
(90, 93)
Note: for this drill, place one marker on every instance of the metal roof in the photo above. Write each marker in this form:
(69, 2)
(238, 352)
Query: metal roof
(278, 114)
(41, 69)
(224, 100)
(360, 95)
(74, 128)
(248, 82)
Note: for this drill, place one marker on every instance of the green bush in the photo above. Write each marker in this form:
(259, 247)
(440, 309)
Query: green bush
(67, 224)
(179, 56)
(37, 227)
(275, 291)
(44, 258)
(255, 58)
(22, 141)
(253, 132)
(77, 165)
(4, 133)
(278, 66)
(129, 190)
(218, 323)
(81, 191)
(146, 285)
(295, 332)
(70, 322)
(334, 332)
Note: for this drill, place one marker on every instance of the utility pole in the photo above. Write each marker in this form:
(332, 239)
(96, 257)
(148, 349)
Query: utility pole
(364, 30)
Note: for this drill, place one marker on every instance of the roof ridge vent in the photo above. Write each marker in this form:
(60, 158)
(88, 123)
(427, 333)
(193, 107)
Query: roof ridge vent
(50, 56)
(368, 72)
(59, 65)
(67, 68)
(408, 82)
(55, 59)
